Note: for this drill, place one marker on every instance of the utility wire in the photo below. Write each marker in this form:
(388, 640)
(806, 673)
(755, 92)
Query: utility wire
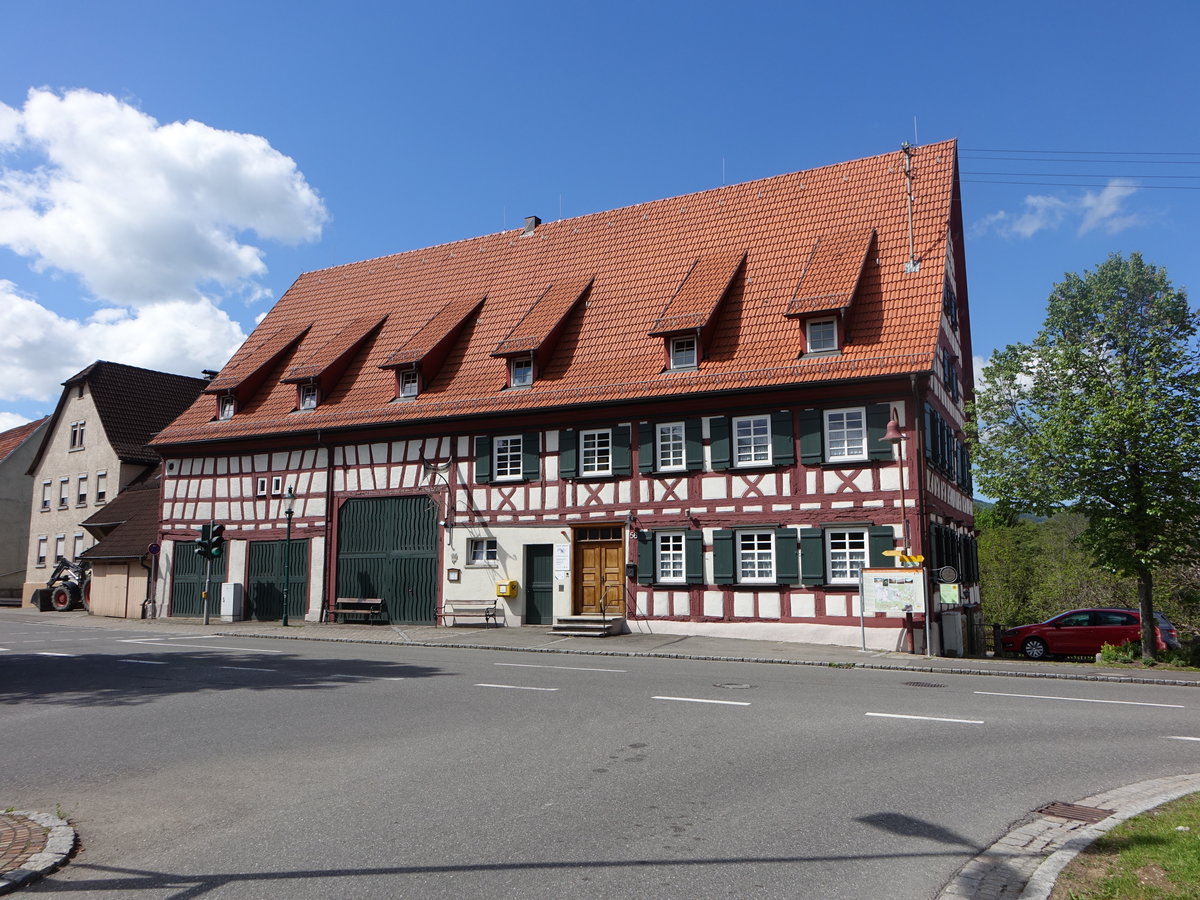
(1069, 175)
(1091, 152)
(1140, 187)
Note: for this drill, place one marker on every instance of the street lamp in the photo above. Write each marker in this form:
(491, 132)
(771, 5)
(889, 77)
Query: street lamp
(288, 511)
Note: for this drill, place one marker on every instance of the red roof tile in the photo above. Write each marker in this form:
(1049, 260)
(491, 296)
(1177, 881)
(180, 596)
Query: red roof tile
(635, 258)
(832, 272)
(701, 291)
(13, 438)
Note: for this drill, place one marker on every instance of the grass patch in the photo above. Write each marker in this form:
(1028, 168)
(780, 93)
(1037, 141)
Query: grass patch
(1153, 856)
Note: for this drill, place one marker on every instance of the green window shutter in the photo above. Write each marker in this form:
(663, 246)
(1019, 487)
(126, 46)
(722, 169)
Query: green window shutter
(693, 557)
(483, 459)
(646, 448)
(530, 457)
(693, 437)
(645, 557)
(787, 556)
(783, 447)
(719, 445)
(812, 556)
(568, 441)
(620, 450)
(723, 561)
(812, 437)
(935, 546)
(877, 419)
(882, 538)
(929, 432)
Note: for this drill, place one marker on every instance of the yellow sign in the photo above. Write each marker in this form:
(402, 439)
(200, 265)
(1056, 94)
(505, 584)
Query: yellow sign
(907, 560)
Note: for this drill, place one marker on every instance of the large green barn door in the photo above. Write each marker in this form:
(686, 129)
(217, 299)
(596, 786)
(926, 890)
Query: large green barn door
(264, 587)
(387, 547)
(187, 581)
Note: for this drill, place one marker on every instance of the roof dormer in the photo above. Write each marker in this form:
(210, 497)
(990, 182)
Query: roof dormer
(827, 286)
(531, 342)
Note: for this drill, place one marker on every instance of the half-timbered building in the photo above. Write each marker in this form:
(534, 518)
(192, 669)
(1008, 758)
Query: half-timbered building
(669, 416)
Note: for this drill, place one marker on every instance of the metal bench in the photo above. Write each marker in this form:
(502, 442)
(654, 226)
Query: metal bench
(354, 606)
(485, 611)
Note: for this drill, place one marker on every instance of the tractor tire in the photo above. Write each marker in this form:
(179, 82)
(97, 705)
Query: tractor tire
(85, 595)
(64, 597)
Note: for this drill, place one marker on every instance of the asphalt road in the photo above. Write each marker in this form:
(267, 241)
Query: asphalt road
(218, 767)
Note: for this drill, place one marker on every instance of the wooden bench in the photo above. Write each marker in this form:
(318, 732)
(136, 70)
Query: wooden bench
(355, 606)
(461, 610)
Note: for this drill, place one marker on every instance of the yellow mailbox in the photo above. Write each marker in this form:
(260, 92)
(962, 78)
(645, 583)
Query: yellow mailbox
(506, 588)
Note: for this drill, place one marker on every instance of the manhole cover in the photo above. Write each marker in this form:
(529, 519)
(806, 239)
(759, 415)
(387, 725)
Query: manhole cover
(923, 684)
(734, 687)
(1075, 811)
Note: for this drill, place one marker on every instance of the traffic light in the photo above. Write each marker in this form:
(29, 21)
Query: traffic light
(216, 538)
(204, 542)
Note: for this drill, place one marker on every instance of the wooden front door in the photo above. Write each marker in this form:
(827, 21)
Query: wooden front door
(599, 571)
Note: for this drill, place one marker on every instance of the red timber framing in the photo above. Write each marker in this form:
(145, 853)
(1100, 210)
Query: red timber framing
(738, 496)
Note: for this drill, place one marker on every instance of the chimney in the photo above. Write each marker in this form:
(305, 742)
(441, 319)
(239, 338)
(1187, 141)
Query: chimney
(531, 223)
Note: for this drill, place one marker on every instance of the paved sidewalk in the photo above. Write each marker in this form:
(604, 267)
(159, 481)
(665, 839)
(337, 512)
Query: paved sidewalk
(1024, 863)
(32, 844)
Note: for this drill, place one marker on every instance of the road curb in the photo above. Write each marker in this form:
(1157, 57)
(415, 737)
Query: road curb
(662, 654)
(1026, 862)
(60, 844)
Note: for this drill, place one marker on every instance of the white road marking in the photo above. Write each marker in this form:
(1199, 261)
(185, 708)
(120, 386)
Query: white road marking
(155, 638)
(48, 653)
(247, 668)
(925, 718)
(1082, 700)
(207, 647)
(3, 648)
(32, 642)
(516, 687)
(699, 700)
(144, 662)
(1178, 737)
(570, 668)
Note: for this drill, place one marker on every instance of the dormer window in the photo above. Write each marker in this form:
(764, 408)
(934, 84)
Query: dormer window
(520, 372)
(820, 335)
(683, 352)
(308, 396)
(408, 384)
(225, 407)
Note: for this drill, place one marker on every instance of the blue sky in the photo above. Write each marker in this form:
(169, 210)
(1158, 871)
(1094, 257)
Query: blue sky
(168, 169)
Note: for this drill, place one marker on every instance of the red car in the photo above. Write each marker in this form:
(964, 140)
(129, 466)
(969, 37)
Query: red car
(1082, 632)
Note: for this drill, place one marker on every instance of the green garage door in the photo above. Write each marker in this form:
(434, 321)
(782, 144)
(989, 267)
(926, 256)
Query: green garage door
(264, 586)
(187, 581)
(387, 547)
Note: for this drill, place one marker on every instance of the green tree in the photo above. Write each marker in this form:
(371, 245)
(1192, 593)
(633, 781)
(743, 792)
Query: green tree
(1100, 414)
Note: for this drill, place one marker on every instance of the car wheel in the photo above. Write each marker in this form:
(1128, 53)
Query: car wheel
(1035, 648)
(62, 598)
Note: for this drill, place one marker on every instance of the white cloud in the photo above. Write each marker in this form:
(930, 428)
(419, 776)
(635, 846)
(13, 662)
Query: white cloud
(143, 212)
(9, 421)
(40, 349)
(1042, 212)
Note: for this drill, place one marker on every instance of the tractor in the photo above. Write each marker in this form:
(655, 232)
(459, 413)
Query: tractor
(69, 586)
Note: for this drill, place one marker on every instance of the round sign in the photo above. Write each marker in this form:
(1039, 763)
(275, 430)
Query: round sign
(153, 549)
(948, 574)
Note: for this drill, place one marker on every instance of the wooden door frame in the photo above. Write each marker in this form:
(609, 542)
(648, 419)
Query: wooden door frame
(577, 569)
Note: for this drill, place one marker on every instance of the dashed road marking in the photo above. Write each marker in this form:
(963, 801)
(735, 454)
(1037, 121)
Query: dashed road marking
(247, 668)
(701, 700)
(925, 718)
(1179, 737)
(516, 687)
(48, 653)
(569, 668)
(144, 662)
(1082, 699)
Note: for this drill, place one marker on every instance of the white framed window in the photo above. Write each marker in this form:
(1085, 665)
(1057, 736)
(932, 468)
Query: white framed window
(101, 486)
(821, 334)
(482, 552)
(752, 440)
(670, 449)
(755, 557)
(46, 494)
(226, 407)
(684, 353)
(41, 551)
(78, 548)
(276, 485)
(595, 452)
(845, 434)
(64, 492)
(409, 384)
(308, 396)
(669, 558)
(77, 432)
(260, 488)
(520, 372)
(60, 546)
(506, 456)
(81, 491)
(845, 555)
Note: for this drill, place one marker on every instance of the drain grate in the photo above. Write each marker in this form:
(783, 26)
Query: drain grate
(924, 684)
(1074, 811)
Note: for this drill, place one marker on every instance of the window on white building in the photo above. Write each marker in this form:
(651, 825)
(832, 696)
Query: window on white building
(64, 492)
(669, 558)
(46, 494)
(78, 548)
(845, 434)
(41, 550)
(752, 440)
(101, 486)
(846, 555)
(60, 546)
(77, 431)
(595, 452)
(482, 552)
(81, 492)
(671, 450)
(506, 456)
(756, 557)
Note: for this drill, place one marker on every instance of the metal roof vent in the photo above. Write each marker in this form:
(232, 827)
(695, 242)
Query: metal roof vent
(531, 224)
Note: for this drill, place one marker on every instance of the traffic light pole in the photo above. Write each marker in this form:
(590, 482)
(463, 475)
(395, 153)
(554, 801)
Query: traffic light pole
(207, 586)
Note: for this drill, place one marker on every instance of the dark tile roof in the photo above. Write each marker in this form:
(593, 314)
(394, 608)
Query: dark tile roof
(636, 259)
(131, 521)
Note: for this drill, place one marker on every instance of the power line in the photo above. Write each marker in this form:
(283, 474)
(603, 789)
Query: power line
(1091, 152)
(1140, 187)
(1069, 175)
(1089, 162)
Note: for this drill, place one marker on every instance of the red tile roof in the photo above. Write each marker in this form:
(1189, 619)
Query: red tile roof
(13, 438)
(700, 293)
(830, 277)
(636, 258)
